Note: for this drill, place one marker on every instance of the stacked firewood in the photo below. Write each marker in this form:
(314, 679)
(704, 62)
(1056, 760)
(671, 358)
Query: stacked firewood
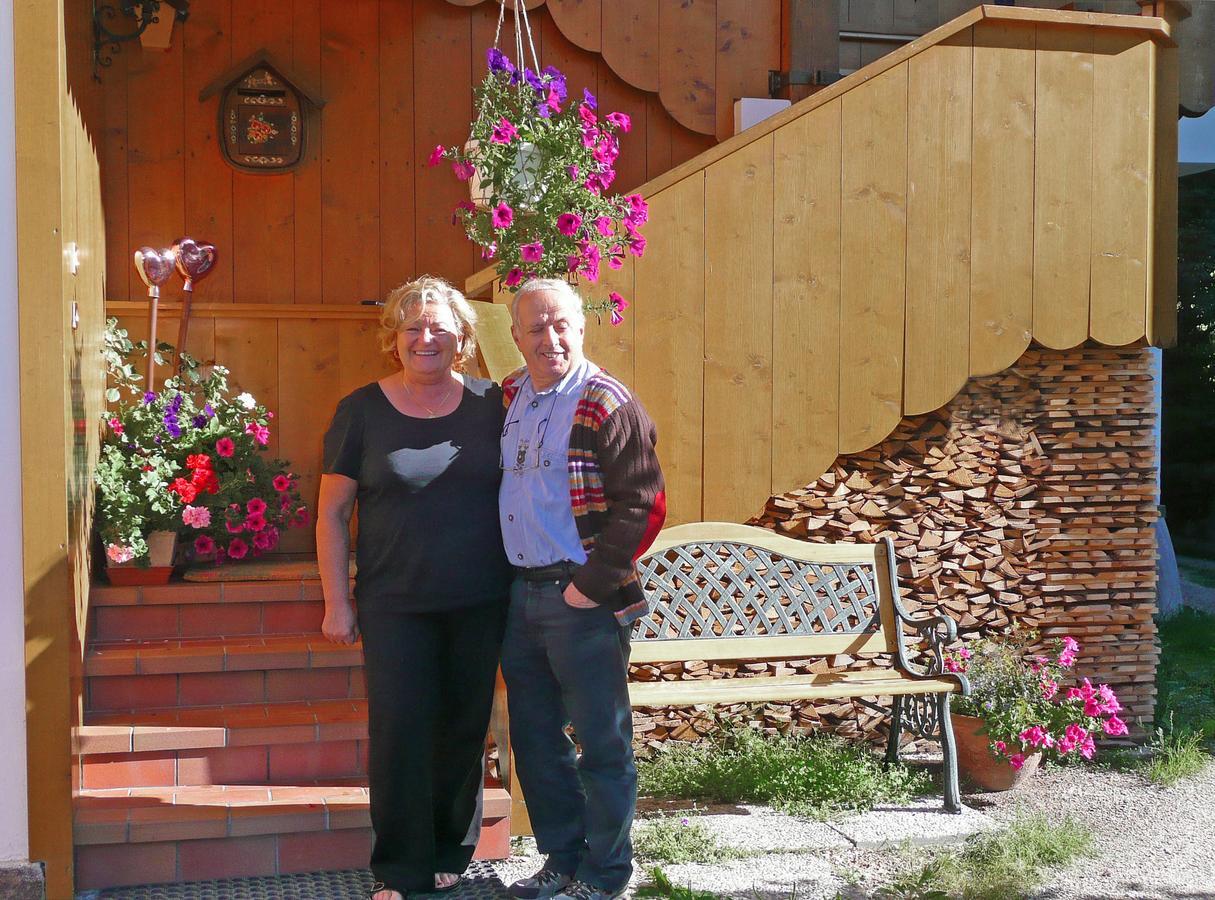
(1029, 499)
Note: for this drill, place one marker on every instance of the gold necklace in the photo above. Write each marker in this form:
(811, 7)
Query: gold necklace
(431, 414)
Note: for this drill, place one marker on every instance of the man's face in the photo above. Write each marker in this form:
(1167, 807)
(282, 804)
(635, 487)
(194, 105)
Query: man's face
(549, 335)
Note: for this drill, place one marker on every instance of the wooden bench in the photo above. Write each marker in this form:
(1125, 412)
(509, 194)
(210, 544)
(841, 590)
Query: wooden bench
(732, 592)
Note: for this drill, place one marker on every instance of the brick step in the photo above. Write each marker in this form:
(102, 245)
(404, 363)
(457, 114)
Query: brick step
(273, 743)
(153, 835)
(143, 675)
(218, 609)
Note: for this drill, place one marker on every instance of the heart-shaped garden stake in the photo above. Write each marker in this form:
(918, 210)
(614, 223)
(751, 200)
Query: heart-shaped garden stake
(155, 267)
(195, 260)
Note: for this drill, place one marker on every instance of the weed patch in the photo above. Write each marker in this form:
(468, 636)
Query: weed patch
(660, 885)
(676, 839)
(998, 866)
(818, 775)
(1185, 678)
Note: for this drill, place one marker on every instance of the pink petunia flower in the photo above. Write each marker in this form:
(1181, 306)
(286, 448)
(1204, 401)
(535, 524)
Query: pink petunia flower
(237, 549)
(637, 246)
(569, 223)
(302, 518)
(589, 119)
(504, 132)
(436, 156)
(513, 277)
(256, 506)
(1000, 746)
(573, 172)
(204, 545)
(260, 433)
(532, 252)
(604, 226)
(261, 540)
(1017, 760)
(1049, 689)
(639, 210)
(619, 305)
(116, 426)
(463, 170)
(1114, 727)
(1087, 747)
(281, 483)
(255, 522)
(225, 447)
(620, 120)
(502, 216)
(234, 527)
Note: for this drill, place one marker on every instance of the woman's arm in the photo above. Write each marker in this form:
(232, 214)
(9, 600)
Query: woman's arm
(334, 507)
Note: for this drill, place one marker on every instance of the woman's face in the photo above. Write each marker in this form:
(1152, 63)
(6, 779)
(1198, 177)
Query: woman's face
(428, 345)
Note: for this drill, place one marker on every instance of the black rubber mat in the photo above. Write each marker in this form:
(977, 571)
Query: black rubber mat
(480, 883)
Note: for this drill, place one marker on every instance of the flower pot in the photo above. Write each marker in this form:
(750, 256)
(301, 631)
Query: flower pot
(161, 546)
(527, 169)
(977, 764)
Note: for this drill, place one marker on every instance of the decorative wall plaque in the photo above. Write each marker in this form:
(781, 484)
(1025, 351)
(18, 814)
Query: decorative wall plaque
(264, 116)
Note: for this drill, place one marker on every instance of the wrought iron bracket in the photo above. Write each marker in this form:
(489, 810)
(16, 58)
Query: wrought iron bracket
(140, 13)
(778, 81)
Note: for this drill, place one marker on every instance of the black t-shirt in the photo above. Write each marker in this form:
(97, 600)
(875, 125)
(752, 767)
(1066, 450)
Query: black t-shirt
(427, 499)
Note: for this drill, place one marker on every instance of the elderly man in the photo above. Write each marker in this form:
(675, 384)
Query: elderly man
(581, 499)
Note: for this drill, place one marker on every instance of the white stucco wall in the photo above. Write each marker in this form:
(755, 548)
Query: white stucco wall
(14, 829)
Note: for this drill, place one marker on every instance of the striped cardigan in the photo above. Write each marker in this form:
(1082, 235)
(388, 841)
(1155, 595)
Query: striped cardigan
(616, 489)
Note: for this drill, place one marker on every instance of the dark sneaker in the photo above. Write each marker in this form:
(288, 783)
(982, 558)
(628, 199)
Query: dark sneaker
(544, 883)
(580, 890)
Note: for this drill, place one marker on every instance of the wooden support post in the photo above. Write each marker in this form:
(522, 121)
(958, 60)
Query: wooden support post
(810, 41)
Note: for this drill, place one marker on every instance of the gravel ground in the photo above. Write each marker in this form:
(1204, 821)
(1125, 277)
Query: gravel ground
(1150, 842)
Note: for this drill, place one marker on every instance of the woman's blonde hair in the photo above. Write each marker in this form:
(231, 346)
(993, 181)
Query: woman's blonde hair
(404, 305)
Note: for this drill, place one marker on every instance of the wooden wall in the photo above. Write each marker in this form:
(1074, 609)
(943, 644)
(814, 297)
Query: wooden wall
(61, 314)
(858, 257)
(364, 213)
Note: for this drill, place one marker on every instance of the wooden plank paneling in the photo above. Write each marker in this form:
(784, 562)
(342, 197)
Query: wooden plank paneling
(806, 298)
(687, 63)
(611, 346)
(630, 43)
(1121, 206)
(581, 68)
(119, 271)
(397, 161)
(937, 351)
(1162, 320)
(1063, 149)
(1002, 220)
(748, 46)
(154, 151)
(309, 251)
(872, 272)
(263, 227)
(441, 36)
(579, 21)
(207, 44)
(617, 96)
(738, 333)
(350, 186)
(249, 348)
(669, 367)
(657, 138)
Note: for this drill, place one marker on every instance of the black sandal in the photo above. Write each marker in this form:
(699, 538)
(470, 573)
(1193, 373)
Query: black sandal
(451, 887)
(381, 886)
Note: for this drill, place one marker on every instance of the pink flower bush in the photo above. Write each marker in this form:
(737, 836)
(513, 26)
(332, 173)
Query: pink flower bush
(1019, 696)
(196, 516)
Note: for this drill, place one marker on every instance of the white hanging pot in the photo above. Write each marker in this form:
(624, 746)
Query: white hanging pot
(526, 175)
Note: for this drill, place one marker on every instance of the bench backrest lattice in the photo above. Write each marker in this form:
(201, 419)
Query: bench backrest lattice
(724, 591)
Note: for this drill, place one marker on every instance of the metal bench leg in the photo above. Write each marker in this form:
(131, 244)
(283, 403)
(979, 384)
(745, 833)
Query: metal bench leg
(896, 730)
(949, 752)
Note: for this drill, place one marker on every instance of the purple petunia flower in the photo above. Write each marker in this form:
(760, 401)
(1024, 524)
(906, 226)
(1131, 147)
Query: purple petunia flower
(498, 61)
(175, 403)
(149, 398)
(208, 411)
(589, 98)
(556, 81)
(534, 82)
(199, 421)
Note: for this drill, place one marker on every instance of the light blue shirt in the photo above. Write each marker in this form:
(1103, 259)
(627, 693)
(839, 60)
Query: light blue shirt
(538, 526)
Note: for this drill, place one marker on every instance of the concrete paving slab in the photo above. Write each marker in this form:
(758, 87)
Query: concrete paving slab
(921, 823)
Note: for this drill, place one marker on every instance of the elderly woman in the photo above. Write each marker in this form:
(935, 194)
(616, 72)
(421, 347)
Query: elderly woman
(417, 451)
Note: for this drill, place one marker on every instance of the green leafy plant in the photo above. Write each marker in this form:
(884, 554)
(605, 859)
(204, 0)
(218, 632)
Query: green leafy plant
(189, 458)
(660, 885)
(818, 775)
(1175, 754)
(1021, 697)
(678, 839)
(541, 164)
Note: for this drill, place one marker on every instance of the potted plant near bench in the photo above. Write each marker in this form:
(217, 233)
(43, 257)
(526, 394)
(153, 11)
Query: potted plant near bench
(1020, 712)
(188, 460)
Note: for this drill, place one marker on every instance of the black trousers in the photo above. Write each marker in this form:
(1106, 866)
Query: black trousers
(430, 686)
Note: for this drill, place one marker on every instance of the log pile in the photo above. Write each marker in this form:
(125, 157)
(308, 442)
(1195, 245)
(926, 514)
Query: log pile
(1029, 498)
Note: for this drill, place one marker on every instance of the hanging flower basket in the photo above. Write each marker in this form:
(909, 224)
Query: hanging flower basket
(539, 165)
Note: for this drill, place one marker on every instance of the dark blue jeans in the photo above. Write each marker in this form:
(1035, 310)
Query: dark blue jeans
(571, 665)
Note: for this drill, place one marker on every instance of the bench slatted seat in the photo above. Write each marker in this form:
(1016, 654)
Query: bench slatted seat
(721, 591)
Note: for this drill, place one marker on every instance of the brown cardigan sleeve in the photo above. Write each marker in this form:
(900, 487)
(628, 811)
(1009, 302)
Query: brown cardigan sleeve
(635, 495)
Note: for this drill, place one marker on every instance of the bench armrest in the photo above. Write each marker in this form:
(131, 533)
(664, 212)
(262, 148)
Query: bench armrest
(936, 630)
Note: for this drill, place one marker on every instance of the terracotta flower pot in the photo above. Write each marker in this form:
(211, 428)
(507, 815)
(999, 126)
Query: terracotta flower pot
(977, 764)
(161, 546)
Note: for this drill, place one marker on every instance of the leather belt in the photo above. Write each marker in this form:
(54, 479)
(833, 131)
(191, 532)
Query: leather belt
(552, 572)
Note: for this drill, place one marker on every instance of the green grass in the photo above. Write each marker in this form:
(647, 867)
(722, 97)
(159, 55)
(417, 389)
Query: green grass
(817, 775)
(1002, 866)
(1202, 575)
(660, 885)
(1185, 678)
(1175, 755)
(676, 839)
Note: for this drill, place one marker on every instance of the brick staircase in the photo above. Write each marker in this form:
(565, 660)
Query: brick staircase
(224, 737)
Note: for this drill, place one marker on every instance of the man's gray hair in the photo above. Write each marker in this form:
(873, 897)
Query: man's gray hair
(559, 286)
